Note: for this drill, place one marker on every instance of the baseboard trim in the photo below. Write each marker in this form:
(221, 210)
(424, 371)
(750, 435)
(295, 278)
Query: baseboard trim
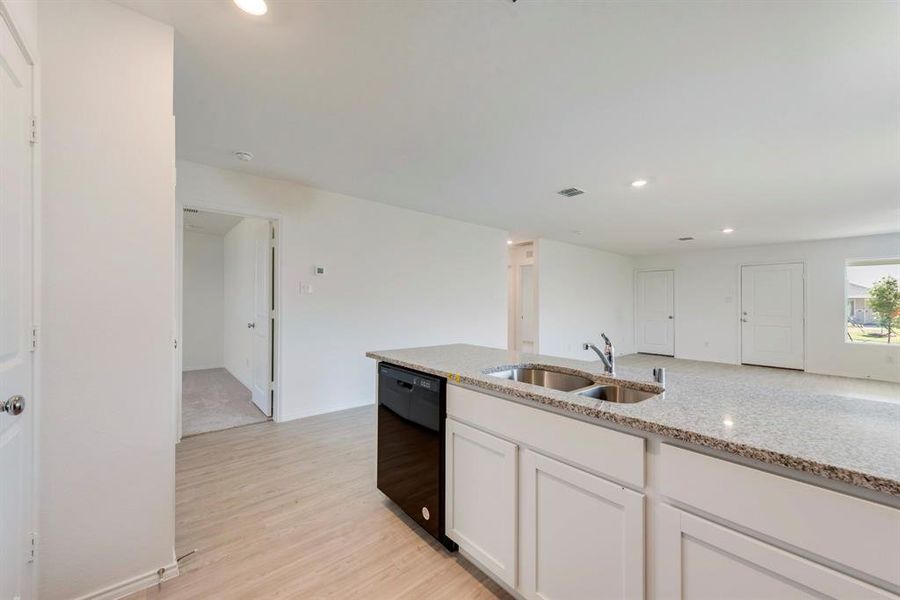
(305, 415)
(130, 586)
(201, 368)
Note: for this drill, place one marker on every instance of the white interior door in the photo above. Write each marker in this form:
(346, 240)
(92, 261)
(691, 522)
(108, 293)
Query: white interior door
(772, 314)
(655, 312)
(15, 320)
(262, 318)
(525, 313)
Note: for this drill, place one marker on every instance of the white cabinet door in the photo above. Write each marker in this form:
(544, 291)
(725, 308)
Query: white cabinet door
(772, 312)
(481, 498)
(655, 312)
(697, 559)
(581, 536)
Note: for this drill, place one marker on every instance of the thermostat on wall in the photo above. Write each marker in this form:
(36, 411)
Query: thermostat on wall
(319, 270)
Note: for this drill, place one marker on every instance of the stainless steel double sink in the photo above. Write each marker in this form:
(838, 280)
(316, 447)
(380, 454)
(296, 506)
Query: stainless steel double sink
(567, 382)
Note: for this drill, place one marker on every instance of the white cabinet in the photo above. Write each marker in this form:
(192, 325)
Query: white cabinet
(581, 536)
(698, 560)
(481, 500)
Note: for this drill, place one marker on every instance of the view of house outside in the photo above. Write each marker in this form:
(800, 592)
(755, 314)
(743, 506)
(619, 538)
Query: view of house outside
(873, 303)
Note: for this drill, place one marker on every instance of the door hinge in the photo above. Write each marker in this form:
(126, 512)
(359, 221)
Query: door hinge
(34, 338)
(32, 551)
(34, 131)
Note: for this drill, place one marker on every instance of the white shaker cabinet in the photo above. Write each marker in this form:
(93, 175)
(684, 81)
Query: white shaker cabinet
(581, 536)
(700, 560)
(481, 472)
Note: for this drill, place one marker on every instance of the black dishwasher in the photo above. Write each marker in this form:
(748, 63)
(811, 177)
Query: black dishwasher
(412, 408)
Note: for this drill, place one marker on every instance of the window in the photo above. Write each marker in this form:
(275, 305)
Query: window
(872, 301)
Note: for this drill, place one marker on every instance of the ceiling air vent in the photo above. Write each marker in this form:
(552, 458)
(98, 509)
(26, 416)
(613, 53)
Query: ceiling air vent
(569, 192)
(685, 239)
(192, 211)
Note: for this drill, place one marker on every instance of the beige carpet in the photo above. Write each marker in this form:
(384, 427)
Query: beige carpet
(213, 399)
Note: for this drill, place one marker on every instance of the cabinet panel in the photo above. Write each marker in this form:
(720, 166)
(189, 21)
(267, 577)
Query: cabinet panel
(481, 498)
(699, 560)
(569, 439)
(857, 533)
(581, 536)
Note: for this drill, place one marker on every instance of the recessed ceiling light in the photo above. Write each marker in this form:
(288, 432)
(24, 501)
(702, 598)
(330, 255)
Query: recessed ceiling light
(727, 422)
(244, 156)
(638, 183)
(728, 230)
(253, 7)
(509, 242)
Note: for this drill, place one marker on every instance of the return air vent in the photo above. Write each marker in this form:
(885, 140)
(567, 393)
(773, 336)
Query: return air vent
(192, 211)
(569, 192)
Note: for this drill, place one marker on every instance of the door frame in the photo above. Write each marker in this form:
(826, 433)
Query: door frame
(634, 308)
(740, 303)
(177, 363)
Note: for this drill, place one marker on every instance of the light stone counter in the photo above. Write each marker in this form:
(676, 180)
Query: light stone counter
(838, 428)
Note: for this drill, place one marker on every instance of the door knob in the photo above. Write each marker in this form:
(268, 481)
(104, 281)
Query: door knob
(14, 406)
(671, 317)
(251, 325)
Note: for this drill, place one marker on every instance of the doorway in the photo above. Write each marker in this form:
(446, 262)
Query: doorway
(773, 315)
(654, 295)
(522, 298)
(227, 321)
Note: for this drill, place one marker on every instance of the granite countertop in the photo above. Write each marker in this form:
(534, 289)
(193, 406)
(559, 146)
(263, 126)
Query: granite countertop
(755, 413)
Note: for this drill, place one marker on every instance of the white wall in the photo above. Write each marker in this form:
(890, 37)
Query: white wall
(395, 278)
(583, 292)
(106, 465)
(204, 301)
(240, 262)
(707, 303)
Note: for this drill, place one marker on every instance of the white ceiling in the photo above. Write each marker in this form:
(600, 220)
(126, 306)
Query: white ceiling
(209, 223)
(780, 119)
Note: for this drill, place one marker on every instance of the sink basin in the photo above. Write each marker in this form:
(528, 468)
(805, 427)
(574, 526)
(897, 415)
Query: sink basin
(616, 393)
(544, 378)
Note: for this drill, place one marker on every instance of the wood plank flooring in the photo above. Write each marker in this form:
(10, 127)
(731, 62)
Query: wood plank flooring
(291, 511)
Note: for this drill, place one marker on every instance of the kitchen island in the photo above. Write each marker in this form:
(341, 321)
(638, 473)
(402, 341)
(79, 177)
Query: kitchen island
(730, 482)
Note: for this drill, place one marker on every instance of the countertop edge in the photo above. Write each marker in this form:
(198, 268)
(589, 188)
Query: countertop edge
(849, 476)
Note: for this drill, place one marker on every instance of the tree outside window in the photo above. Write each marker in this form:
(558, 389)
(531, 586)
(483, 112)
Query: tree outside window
(873, 301)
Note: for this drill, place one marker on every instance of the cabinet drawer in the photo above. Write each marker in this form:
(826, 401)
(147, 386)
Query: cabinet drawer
(857, 533)
(613, 454)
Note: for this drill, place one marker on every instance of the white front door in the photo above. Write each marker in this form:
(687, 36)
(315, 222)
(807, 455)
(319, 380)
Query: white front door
(772, 314)
(262, 318)
(16, 410)
(655, 312)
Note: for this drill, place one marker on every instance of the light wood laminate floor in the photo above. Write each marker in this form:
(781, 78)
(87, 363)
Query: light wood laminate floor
(291, 511)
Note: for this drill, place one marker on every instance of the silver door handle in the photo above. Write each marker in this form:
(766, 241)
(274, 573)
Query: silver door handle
(14, 406)
(251, 325)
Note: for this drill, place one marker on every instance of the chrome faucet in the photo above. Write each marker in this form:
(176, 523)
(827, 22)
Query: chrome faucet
(607, 355)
